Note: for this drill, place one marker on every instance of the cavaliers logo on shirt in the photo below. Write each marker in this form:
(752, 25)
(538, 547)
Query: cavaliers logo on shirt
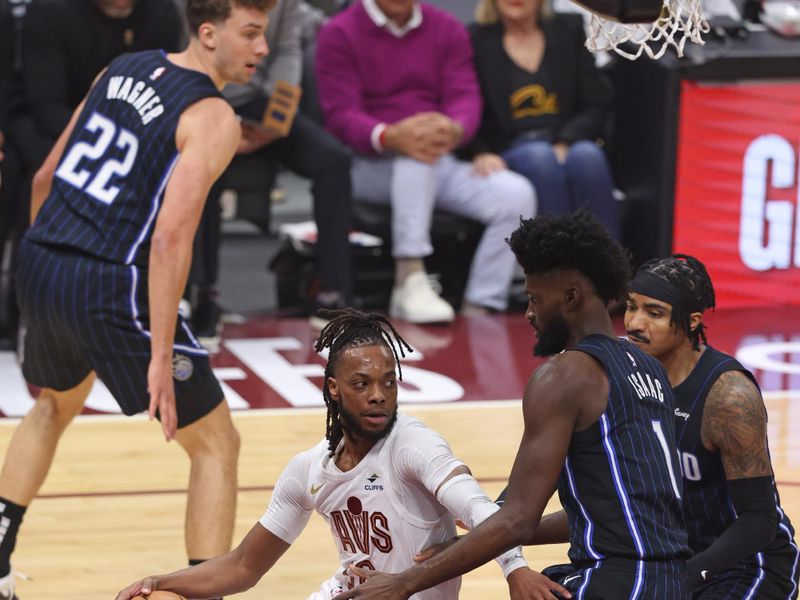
(532, 101)
(359, 530)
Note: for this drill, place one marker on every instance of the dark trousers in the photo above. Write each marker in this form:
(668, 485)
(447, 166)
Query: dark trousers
(14, 207)
(311, 152)
(26, 148)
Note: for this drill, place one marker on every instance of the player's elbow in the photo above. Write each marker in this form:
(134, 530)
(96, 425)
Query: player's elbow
(763, 526)
(248, 571)
(523, 520)
(518, 526)
(167, 239)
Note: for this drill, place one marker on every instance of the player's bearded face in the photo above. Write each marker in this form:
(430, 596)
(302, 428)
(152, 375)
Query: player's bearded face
(552, 336)
(354, 429)
(365, 387)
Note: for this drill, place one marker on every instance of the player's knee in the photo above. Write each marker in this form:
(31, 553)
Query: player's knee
(218, 440)
(54, 409)
(516, 197)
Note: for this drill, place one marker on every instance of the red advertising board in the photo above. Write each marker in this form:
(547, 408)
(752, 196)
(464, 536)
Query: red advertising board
(736, 191)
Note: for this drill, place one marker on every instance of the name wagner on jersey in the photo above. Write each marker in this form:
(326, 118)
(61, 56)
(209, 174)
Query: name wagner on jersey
(138, 94)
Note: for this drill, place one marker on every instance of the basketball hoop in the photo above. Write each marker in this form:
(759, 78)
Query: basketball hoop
(679, 21)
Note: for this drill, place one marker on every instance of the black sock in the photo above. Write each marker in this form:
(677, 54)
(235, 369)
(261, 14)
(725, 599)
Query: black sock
(10, 519)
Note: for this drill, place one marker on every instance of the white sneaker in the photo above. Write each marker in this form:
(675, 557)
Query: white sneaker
(185, 309)
(416, 301)
(7, 587)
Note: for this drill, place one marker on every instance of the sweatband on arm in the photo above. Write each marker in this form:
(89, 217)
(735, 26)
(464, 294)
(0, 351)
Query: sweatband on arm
(755, 526)
(465, 499)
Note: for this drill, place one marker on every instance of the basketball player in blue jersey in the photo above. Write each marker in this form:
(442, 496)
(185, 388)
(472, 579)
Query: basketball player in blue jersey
(743, 543)
(599, 426)
(102, 269)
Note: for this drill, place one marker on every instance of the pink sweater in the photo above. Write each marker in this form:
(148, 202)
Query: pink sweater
(367, 76)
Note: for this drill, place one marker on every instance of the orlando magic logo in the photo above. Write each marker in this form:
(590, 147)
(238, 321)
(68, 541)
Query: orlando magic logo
(182, 367)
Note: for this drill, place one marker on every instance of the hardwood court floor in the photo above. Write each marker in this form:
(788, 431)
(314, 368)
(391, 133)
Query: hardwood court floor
(112, 508)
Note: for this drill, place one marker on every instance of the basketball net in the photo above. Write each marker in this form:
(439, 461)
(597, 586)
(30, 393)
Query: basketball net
(680, 20)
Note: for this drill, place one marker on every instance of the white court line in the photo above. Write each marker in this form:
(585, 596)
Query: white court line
(257, 412)
(461, 405)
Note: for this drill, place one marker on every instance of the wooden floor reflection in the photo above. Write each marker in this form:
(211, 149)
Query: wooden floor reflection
(112, 508)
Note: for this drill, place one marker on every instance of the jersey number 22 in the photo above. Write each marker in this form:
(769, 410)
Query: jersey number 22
(96, 182)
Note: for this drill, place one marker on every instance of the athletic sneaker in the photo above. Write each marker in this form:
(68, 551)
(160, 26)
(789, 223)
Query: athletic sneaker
(416, 301)
(330, 300)
(7, 588)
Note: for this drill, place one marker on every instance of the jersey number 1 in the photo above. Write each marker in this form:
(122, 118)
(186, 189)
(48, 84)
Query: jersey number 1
(662, 440)
(96, 182)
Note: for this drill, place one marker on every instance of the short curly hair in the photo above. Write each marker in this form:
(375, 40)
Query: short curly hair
(691, 275)
(575, 241)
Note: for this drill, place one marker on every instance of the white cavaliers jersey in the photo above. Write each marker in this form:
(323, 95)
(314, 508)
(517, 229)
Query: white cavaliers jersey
(382, 512)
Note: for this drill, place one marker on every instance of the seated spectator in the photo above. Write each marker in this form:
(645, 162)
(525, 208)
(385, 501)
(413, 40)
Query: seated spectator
(13, 206)
(307, 150)
(68, 42)
(397, 84)
(545, 105)
(46, 71)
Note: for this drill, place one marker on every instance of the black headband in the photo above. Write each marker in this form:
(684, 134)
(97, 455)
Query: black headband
(649, 284)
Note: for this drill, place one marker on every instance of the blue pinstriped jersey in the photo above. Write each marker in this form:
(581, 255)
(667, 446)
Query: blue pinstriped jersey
(707, 505)
(620, 484)
(110, 182)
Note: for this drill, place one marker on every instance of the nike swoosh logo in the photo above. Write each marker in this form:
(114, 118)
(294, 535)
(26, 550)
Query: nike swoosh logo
(316, 488)
(570, 578)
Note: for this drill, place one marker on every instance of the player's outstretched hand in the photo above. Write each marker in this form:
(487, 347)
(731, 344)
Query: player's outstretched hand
(432, 551)
(378, 586)
(143, 587)
(162, 397)
(527, 584)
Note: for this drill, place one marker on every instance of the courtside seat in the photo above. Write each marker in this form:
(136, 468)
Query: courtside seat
(252, 178)
(454, 240)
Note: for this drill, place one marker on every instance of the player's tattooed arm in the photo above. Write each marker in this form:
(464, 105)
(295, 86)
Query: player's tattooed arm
(735, 425)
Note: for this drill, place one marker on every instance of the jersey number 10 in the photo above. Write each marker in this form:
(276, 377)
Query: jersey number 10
(96, 182)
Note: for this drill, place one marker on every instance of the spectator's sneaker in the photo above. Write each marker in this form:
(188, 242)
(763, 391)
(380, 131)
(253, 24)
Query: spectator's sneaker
(185, 309)
(326, 301)
(416, 301)
(7, 588)
(207, 324)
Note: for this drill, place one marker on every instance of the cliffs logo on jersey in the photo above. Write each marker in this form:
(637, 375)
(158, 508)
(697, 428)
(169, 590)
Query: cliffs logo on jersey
(359, 530)
(138, 94)
(645, 386)
(372, 486)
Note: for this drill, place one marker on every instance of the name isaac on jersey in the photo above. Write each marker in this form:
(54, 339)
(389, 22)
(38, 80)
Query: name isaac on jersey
(138, 94)
(645, 386)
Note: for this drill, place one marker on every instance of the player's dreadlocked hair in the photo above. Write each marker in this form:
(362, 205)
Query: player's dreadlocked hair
(575, 241)
(350, 328)
(690, 276)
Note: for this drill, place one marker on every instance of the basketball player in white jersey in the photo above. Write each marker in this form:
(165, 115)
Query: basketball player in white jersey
(388, 486)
